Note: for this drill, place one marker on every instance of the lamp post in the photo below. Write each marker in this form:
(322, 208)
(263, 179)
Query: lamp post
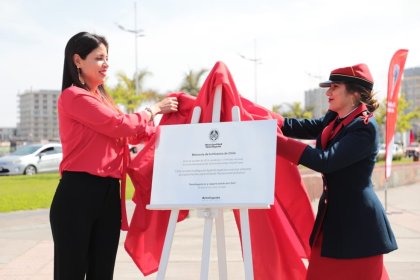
(318, 77)
(256, 61)
(137, 33)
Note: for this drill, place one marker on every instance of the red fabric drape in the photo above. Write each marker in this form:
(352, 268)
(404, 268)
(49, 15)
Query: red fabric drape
(279, 236)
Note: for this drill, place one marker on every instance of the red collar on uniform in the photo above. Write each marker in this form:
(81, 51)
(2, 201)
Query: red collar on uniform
(330, 132)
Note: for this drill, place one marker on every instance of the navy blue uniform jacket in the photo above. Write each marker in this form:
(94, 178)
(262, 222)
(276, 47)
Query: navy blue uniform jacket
(352, 219)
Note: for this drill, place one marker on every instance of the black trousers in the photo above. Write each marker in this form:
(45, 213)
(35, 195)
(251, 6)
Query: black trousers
(85, 219)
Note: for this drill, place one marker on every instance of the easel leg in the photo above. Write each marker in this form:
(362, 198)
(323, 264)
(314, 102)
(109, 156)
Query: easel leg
(246, 244)
(163, 264)
(221, 245)
(205, 254)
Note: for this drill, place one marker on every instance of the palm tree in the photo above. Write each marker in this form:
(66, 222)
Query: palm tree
(293, 110)
(124, 93)
(191, 83)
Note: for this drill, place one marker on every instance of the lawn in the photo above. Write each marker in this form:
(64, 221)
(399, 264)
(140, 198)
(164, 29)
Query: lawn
(399, 161)
(32, 192)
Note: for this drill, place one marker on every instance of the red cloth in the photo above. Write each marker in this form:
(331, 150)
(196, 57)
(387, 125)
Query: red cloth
(279, 236)
(289, 148)
(323, 268)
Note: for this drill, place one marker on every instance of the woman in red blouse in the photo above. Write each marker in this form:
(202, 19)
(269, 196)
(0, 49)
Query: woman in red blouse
(86, 210)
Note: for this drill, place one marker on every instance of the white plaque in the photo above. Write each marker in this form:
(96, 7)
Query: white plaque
(227, 164)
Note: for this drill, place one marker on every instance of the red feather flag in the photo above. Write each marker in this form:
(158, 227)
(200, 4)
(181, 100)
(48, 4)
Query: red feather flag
(396, 69)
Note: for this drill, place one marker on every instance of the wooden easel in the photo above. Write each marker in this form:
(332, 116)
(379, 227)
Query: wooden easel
(210, 213)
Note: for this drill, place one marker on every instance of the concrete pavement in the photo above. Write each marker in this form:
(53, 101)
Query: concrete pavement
(26, 247)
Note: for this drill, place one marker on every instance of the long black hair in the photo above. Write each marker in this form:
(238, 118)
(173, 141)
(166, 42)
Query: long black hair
(82, 44)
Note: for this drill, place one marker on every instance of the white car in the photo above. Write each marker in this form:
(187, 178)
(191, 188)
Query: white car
(32, 159)
(397, 154)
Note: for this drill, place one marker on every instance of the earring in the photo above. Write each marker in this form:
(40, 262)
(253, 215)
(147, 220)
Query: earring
(79, 71)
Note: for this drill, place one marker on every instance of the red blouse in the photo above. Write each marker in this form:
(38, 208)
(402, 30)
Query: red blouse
(94, 135)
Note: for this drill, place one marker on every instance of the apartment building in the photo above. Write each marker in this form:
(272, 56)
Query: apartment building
(410, 90)
(7, 134)
(37, 110)
(316, 101)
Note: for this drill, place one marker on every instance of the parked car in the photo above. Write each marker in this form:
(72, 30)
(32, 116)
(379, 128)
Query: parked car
(413, 150)
(32, 159)
(397, 154)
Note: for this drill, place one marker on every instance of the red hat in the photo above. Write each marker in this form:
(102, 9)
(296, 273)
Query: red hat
(358, 74)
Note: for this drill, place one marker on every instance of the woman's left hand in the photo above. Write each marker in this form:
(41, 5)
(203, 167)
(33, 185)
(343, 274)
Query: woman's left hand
(167, 105)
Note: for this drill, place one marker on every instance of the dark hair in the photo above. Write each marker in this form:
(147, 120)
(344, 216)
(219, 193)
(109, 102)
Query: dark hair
(82, 43)
(366, 96)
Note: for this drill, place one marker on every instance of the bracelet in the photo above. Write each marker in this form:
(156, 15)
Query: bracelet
(151, 113)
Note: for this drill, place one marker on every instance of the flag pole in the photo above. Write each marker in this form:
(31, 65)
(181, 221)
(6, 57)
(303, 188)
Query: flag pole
(386, 196)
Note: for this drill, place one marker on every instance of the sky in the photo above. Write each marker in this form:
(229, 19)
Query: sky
(297, 42)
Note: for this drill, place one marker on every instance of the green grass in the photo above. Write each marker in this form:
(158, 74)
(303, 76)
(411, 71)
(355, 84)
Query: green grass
(32, 192)
(399, 161)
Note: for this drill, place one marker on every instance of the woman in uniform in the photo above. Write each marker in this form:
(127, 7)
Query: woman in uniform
(351, 231)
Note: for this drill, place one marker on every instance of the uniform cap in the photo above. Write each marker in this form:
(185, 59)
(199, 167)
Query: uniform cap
(358, 74)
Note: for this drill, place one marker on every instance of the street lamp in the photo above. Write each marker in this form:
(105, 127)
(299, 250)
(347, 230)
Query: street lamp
(319, 78)
(256, 62)
(137, 33)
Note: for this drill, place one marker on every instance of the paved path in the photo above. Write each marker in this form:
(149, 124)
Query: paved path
(26, 248)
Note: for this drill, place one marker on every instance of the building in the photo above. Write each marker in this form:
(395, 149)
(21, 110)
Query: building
(316, 101)
(37, 112)
(7, 134)
(410, 90)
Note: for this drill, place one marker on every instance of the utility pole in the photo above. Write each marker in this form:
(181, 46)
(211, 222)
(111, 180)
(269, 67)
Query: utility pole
(137, 33)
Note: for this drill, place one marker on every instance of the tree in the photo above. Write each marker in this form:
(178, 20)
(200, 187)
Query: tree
(191, 83)
(404, 116)
(293, 110)
(124, 92)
